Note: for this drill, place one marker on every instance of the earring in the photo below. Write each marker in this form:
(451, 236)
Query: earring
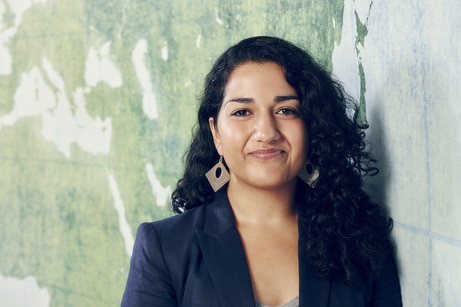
(309, 174)
(218, 175)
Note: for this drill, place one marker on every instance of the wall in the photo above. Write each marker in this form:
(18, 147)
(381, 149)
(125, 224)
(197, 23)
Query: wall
(97, 101)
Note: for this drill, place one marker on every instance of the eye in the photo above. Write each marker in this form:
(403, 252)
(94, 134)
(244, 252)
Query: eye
(240, 113)
(288, 112)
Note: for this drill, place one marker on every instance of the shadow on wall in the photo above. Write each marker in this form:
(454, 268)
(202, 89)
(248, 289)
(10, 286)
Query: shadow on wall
(378, 186)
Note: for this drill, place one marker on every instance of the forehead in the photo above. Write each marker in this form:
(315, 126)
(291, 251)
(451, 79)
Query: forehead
(255, 66)
(252, 76)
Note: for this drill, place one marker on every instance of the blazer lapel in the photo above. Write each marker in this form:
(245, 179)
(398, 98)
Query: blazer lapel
(223, 254)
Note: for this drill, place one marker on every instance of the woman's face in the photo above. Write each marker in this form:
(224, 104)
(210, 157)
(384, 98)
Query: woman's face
(259, 131)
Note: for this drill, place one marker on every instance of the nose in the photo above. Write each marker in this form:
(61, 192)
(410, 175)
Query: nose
(265, 129)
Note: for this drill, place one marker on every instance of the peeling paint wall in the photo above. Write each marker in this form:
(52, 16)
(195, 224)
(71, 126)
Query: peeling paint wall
(88, 100)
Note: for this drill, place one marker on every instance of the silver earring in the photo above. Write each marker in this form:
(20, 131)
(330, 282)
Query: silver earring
(218, 175)
(309, 174)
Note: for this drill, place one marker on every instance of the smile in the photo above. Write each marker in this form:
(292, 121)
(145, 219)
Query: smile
(267, 154)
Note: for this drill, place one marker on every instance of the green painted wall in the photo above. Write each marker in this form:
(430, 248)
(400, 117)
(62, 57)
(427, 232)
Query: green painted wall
(58, 218)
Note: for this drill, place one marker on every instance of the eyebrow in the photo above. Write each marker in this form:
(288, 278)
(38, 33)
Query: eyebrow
(285, 98)
(277, 99)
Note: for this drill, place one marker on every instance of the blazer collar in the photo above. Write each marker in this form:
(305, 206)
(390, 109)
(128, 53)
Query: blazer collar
(223, 254)
(219, 216)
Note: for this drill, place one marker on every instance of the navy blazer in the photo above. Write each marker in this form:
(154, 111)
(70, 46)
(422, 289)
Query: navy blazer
(196, 258)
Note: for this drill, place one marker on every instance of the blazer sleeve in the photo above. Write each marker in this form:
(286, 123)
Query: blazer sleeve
(386, 287)
(149, 282)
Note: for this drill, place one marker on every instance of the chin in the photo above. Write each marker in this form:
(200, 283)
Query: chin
(265, 184)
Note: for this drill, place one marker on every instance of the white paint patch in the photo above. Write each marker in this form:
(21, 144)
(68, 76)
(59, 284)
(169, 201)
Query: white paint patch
(64, 128)
(164, 52)
(18, 7)
(160, 193)
(2, 13)
(345, 58)
(34, 97)
(149, 102)
(198, 41)
(362, 8)
(94, 135)
(100, 68)
(218, 19)
(119, 206)
(22, 292)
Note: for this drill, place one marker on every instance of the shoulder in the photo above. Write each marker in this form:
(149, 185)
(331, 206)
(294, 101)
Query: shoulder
(180, 225)
(212, 217)
(179, 234)
(166, 246)
(161, 253)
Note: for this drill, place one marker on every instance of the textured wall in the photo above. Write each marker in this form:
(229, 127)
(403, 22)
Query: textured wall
(98, 98)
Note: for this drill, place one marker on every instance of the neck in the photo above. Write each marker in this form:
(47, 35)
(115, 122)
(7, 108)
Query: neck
(257, 206)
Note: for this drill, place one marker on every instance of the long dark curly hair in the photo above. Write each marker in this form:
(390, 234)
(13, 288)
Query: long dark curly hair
(346, 235)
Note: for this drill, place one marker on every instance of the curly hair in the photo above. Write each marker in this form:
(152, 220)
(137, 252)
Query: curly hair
(345, 233)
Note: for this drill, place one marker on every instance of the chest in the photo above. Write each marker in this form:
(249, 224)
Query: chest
(272, 259)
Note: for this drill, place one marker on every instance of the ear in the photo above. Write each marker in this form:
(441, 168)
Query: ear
(215, 133)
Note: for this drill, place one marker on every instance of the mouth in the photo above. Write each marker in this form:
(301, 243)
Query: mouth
(267, 154)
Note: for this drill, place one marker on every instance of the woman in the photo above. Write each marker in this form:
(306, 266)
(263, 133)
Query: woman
(271, 205)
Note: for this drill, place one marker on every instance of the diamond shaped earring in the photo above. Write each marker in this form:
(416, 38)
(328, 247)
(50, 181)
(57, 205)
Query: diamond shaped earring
(218, 175)
(309, 174)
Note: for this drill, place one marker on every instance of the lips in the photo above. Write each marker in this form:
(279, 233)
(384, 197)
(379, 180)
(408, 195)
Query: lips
(267, 154)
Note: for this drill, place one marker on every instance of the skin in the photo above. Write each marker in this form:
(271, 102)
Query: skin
(263, 140)
(259, 132)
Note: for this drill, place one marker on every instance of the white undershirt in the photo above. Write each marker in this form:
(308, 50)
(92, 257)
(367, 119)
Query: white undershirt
(293, 303)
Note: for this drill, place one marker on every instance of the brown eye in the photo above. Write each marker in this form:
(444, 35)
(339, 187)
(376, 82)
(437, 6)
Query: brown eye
(240, 113)
(288, 112)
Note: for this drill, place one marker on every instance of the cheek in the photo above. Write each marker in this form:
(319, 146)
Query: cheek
(302, 148)
(231, 139)
(300, 140)
(232, 131)
(234, 142)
